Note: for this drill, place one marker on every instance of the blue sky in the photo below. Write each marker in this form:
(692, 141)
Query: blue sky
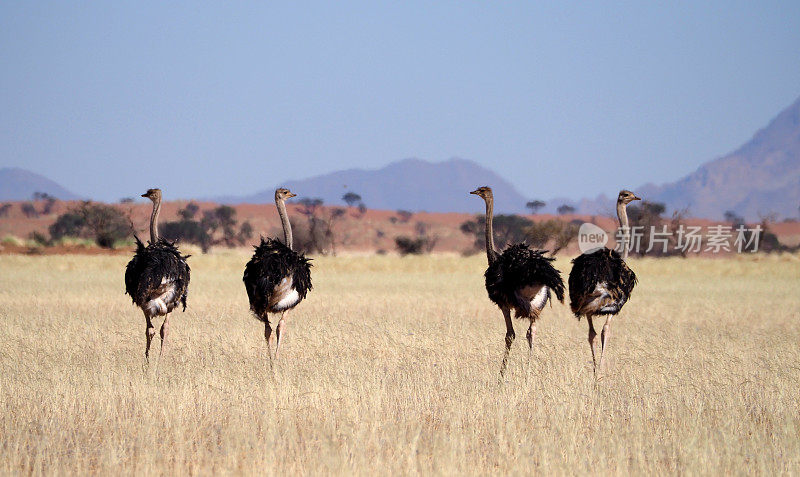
(201, 98)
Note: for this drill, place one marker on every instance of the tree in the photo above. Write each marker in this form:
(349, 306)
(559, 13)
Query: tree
(351, 199)
(733, 217)
(310, 237)
(507, 229)
(553, 235)
(4, 210)
(222, 218)
(362, 209)
(309, 206)
(404, 215)
(317, 234)
(187, 231)
(216, 227)
(189, 211)
(768, 241)
(677, 223)
(647, 218)
(334, 215)
(49, 201)
(565, 209)
(535, 205)
(103, 223)
(29, 210)
(69, 224)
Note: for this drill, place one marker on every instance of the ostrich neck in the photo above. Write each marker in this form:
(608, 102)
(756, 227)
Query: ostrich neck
(154, 221)
(622, 215)
(490, 252)
(287, 227)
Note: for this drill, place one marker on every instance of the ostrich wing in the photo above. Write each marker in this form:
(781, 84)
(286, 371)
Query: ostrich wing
(153, 269)
(601, 278)
(265, 274)
(520, 268)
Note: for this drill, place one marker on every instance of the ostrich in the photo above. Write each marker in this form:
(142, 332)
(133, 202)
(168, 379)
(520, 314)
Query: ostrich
(157, 277)
(600, 282)
(518, 279)
(277, 278)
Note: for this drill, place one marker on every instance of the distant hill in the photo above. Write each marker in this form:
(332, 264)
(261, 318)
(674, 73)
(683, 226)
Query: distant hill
(762, 176)
(759, 178)
(409, 184)
(20, 184)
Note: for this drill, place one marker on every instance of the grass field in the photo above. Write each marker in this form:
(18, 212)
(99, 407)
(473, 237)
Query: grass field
(391, 365)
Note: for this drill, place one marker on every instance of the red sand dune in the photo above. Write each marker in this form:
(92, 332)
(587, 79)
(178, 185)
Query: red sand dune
(374, 230)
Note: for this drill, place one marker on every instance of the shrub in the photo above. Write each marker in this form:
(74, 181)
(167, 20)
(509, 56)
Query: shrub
(508, 229)
(410, 246)
(70, 224)
(102, 223)
(204, 232)
(565, 209)
(40, 239)
(404, 215)
(553, 235)
(29, 210)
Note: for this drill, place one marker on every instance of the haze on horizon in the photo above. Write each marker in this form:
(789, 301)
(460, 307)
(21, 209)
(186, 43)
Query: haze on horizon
(210, 99)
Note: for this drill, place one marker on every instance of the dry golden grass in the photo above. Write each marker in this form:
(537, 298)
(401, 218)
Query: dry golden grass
(391, 365)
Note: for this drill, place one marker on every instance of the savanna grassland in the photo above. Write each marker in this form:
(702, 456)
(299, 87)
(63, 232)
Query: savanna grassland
(391, 366)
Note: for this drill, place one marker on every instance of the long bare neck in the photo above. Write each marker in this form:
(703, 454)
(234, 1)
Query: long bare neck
(154, 220)
(490, 251)
(622, 215)
(287, 227)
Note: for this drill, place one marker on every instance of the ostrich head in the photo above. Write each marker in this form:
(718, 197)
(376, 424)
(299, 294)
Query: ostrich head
(485, 192)
(283, 194)
(153, 194)
(626, 197)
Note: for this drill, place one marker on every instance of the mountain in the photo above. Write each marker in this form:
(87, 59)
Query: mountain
(761, 177)
(409, 184)
(20, 184)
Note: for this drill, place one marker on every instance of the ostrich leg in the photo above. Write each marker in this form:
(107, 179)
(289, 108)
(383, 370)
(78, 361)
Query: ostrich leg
(592, 343)
(279, 332)
(604, 339)
(509, 339)
(164, 335)
(149, 332)
(531, 335)
(267, 336)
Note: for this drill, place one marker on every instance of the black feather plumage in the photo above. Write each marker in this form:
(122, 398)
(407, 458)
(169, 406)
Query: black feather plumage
(519, 267)
(271, 263)
(152, 269)
(604, 267)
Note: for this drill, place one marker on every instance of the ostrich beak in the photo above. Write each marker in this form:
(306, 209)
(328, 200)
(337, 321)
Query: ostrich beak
(144, 195)
(636, 198)
(290, 195)
(475, 192)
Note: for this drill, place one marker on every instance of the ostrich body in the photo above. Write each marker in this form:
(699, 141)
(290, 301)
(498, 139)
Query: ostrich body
(600, 282)
(157, 277)
(277, 278)
(518, 279)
